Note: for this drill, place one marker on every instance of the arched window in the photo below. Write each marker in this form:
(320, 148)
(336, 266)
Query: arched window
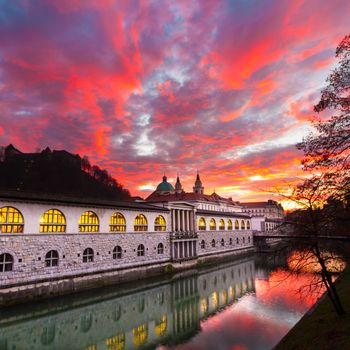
(212, 224)
(229, 224)
(249, 239)
(237, 240)
(141, 250)
(236, 225)
(6, 262)
(51, 258)
(117, 252)
(213, 243)
(202, 226)
(53, 220)
(89, 222)
(140, 223)
(160, 248)
(159, 223)
(248, 225)
(230, 241)
(117, 223)
(48, 334)
(222, 242)
(88, 255)
(221, 224)
(160, 326)
(242, 225)
(116, 343)
(140, 335)
(203, 244)
(243, 240)
(11, 220)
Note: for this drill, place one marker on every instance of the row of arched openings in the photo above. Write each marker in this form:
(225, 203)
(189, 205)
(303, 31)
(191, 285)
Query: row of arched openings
(53, 220)
(52, 256)
(243, 225)
(222, 242)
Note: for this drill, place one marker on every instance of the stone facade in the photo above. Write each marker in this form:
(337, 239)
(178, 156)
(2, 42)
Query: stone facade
(180, 239)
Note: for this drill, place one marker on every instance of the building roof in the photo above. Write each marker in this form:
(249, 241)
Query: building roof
(188, 196)
(165, 185)
(259, 204)
(78, 201)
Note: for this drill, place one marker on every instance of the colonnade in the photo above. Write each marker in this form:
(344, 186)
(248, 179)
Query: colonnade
(184, 249)
(182, 220)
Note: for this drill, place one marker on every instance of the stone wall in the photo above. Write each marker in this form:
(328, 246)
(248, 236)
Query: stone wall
(29, 250)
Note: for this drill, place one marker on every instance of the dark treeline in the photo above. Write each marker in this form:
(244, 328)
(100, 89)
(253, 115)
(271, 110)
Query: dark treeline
(57, 172)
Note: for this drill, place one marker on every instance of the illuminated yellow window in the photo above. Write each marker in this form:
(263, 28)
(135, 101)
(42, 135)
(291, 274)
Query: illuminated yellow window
(204, 306)
(236, 225)
(140, 335)
(116, 343)
(160, 326)
(202, 226)
(221, 224)
(91, 347)
(89, 222)
(242, 225)
(215, 299)
(11, 220)
(140, 223)
(231, 293)
(53, 220)
(224, 297)
(212, 225)
(248, 225)
(117, 223)
(159, 223)
(229, 224)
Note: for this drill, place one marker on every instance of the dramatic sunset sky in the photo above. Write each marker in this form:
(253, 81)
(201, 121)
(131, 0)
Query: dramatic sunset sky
(145, 88)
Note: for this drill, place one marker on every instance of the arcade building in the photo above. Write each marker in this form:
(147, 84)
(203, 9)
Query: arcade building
(63, 244)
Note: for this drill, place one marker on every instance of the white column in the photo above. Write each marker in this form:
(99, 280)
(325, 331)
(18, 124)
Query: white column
(186, 220)
(172, 220)
(182, 220)
(178, 219)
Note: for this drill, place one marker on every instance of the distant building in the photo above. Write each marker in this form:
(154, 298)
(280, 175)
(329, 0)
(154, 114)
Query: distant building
(266, 216)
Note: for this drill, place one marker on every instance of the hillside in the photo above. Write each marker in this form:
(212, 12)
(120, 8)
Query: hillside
(57, 172)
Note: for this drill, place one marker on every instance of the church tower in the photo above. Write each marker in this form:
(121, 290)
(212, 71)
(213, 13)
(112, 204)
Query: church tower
(198, 187)
(178, 186)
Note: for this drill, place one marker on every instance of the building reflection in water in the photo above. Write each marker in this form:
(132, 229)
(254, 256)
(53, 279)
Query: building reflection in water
(163, 313)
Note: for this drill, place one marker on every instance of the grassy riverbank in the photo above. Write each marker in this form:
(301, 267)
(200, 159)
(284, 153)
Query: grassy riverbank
(323, 329)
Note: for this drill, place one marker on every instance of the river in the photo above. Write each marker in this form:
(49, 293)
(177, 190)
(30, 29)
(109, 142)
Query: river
(244, 304)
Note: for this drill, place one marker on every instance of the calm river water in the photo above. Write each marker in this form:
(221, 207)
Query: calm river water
(244, 304)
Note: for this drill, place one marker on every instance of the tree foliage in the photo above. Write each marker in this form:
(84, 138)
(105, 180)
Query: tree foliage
(327, 149)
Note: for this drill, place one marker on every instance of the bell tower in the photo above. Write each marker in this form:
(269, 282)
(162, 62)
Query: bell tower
(198, 187)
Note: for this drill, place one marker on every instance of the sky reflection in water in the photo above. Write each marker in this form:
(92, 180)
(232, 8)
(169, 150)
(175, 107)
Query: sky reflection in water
(257, 320)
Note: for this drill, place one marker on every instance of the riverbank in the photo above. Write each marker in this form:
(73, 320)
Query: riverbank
(322, 328)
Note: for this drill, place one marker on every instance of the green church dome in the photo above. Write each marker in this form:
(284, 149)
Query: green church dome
(165, 185)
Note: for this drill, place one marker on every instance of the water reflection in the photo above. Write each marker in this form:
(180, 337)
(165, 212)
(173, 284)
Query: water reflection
(217, 308)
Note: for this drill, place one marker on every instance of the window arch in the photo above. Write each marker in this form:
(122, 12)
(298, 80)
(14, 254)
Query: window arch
(248, 225)
(213, 243)
(202, 225)
(161, 326)
(230, 241)
(89, 222)
(221, 224)
(159, 223)
(222, 242)
(236, 225)
(243, 240)
(242, 225)
(212, 225)
(88, 255)
(140, 223)
(53, 220)
(229, 224)
(237, 240)
(11, 220)
(117, 252)
(202, 244)
(51, 258)
(160, 248)
(140, 335)
(141, 250)
(6, 262)
(117, 223)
